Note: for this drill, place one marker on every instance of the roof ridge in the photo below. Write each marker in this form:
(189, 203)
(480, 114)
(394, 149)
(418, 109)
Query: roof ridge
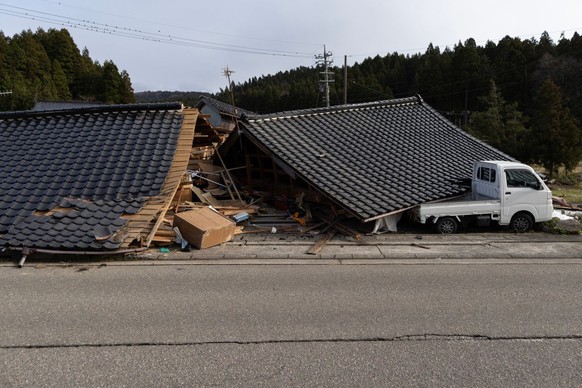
(96, 109)
(336, 109)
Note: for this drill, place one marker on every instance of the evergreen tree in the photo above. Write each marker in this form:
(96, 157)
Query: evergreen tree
(431, 78)
(546, 45)
(556, 135)
(60, 46)
(509, 64)
(87, 82)
(48, 66)
(566, 72)
(112, 83)
(501, 124)
(470, 70)
(5, 71)
(61, 82)
(127, 95)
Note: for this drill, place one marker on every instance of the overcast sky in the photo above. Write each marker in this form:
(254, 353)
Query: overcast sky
(185, 44)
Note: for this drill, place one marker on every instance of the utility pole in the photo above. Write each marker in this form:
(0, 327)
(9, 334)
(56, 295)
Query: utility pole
(5, 93)
(325, 61)
(227, 73)
(345, 79)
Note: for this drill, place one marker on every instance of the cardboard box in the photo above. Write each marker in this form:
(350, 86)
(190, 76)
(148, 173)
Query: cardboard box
(204, 228)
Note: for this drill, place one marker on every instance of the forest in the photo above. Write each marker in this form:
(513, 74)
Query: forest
(522, 96)
(48, 66)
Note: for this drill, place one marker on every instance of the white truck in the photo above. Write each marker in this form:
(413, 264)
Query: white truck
(506, 193)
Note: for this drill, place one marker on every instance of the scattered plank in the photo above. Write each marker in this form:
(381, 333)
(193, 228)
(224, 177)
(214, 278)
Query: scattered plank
(318, 246)
(207, 198)
(420, 246)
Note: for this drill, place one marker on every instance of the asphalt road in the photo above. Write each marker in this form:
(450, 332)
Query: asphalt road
(360, 325)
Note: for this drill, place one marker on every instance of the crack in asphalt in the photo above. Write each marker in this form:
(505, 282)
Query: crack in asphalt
(411, 338)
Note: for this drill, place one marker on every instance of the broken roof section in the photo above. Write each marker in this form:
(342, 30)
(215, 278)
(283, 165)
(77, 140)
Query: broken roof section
(91, 178)
(222, 107)
(372, 159)
(222, 115)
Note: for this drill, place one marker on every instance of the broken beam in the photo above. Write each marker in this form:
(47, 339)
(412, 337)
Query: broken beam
(318, 246)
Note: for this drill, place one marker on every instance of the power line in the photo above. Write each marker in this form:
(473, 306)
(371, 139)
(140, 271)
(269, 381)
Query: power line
(157, 23)
(115, 30)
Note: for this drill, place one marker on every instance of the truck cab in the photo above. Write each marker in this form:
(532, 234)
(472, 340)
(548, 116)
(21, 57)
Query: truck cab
(518, 187)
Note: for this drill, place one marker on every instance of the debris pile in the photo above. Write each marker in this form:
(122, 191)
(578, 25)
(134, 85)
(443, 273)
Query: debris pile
(567, 217)
(209, 208)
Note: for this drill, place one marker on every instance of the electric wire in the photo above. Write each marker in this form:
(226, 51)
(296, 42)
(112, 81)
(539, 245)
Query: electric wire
(157, 23)
(115, 30)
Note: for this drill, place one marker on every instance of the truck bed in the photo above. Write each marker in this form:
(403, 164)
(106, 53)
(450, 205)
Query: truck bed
(462, 206)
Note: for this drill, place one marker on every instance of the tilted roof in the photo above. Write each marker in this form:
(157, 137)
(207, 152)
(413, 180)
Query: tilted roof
(222, 107)
(72, 179)
(372, 159)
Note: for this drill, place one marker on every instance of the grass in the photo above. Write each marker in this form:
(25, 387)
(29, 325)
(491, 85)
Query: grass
(571, 193)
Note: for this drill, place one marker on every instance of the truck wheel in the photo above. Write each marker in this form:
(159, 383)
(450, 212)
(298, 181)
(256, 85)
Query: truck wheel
(521, 223)
(446, 225)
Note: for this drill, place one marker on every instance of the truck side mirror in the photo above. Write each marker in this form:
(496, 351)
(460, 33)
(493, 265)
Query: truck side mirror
(534, 185)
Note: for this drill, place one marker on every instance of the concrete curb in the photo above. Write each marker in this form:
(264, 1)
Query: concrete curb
(405, 249)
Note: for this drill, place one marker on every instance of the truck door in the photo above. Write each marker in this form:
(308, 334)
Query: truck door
(523, 191)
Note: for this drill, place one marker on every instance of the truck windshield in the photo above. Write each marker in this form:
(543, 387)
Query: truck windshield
(521, 178)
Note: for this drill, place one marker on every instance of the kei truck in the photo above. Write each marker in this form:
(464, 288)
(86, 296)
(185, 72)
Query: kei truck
(503, 193)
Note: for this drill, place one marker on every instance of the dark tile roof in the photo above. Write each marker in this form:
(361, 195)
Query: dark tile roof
(222, 107)
(98, 163)
(81, 223)
(373, 159)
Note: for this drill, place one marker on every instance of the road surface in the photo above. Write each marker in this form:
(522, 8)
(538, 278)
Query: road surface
(314, 325)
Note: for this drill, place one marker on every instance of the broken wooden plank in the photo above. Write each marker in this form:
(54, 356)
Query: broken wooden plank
(166, 233)
(207, 198)
(420, 246)
(318, 246)
(228, 175)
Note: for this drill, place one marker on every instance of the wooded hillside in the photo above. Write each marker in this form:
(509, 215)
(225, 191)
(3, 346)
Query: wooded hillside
(522, 96)
(48, 66)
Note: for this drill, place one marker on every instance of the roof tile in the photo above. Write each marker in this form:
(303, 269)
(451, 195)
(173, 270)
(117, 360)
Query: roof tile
(79, 158)
(375, 158)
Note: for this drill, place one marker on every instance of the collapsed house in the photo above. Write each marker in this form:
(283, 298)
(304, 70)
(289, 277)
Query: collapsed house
(120, 178)
(97, 178)
(372, 161)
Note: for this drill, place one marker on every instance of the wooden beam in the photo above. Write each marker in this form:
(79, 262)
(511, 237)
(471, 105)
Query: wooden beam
(160, 205)
(228, 175)
(318, 246)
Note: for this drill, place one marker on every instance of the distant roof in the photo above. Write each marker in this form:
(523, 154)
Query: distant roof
(67, 178)
(372, 159)
(223, 107)
(63, 105)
